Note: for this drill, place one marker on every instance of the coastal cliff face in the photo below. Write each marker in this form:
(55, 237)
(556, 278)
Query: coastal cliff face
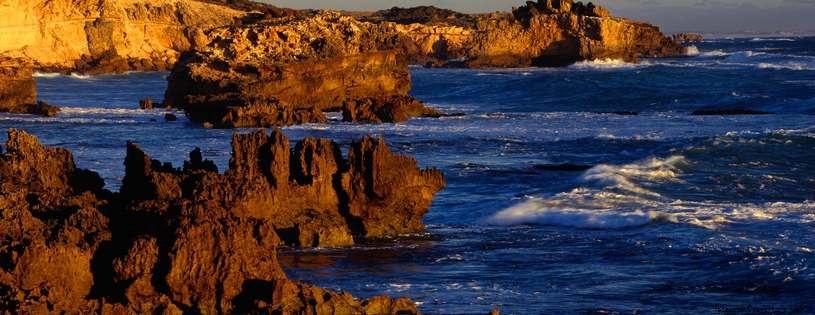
(191, 240)
(559, 33)
(108, 35)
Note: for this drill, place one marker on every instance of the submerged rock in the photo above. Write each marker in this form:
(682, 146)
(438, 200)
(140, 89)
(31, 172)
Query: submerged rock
(191, 240)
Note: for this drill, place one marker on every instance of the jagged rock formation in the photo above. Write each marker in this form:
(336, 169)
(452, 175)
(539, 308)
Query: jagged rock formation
(192, 241)
(560, 32)
(385, 109)
(687, 38)
(106, 36)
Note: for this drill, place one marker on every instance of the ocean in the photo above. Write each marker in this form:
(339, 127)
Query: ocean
(552, 206)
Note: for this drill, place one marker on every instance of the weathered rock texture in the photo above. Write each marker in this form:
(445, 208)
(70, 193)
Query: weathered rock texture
(192, 241)
(559, 33)
(108, 35)
(274, 67)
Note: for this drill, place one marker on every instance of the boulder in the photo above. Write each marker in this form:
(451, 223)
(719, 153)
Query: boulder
(146, 103)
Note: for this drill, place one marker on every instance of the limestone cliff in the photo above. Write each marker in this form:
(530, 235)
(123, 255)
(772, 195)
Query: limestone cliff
(106, 35)
(191, 240)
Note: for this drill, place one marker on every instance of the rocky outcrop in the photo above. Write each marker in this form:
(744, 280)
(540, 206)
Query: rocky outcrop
(385, 109)
(312, 196)
(190, 240)
(559, 33)
(107, 36)
(303, 63)
(687, 38)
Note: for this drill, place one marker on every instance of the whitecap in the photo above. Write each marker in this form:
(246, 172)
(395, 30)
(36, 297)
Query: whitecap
(622, 176)
(603, 64)
(743, 55)
(692, 51)
(46, 74)
(714, 53)
(545, 213)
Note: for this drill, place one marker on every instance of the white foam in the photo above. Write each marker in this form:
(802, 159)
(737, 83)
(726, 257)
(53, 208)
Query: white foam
(714, 53)
(46, 75)
(772, 39)
(624, 176)
(792, 65)
(743, 55)
(539, 211)
(603, 64)
(692, 51)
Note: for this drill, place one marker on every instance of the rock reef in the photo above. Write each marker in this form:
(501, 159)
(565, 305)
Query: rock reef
(190, 240)
(687, 38)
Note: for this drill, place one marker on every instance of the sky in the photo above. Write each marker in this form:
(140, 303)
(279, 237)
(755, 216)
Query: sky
(701, 16)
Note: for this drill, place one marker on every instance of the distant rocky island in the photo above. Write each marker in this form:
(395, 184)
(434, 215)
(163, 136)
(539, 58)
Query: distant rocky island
(191, 240)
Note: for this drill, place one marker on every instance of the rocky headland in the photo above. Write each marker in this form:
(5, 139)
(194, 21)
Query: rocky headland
(190, 240)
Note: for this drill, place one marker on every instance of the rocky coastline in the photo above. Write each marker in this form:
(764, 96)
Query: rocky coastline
(192, 240)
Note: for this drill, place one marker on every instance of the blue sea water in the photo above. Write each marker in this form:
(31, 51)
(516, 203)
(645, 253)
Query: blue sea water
(676, 214)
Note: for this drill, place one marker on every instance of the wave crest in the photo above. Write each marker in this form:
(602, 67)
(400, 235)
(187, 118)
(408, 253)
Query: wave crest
(543, 212)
